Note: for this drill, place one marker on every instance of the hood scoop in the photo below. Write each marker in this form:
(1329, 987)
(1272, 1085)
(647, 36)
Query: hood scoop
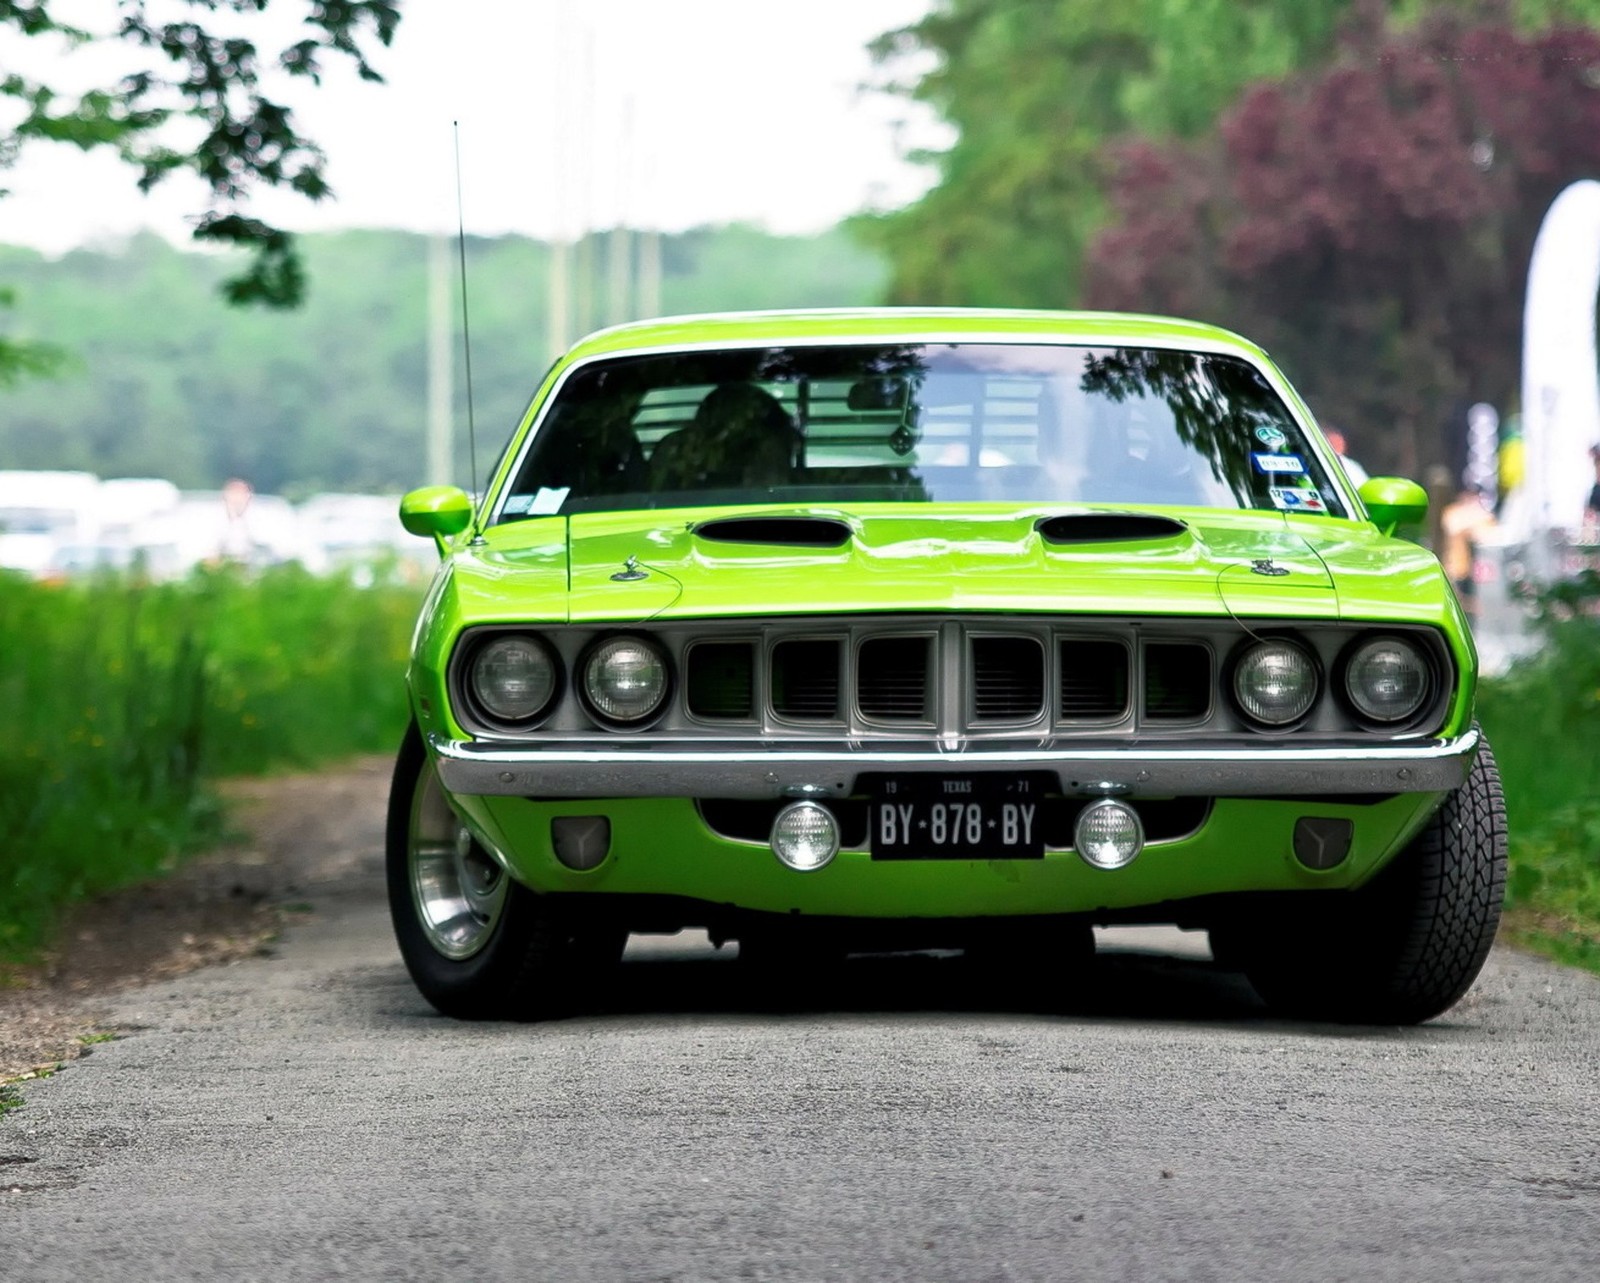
(1106, 527)
(786, 532)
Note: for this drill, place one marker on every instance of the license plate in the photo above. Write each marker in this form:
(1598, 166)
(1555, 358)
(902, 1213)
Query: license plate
(958, 817)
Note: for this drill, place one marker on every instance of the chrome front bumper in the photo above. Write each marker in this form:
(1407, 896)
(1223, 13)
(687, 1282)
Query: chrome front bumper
(563, 770)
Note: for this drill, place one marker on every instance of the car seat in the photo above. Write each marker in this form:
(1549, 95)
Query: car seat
(740, 437)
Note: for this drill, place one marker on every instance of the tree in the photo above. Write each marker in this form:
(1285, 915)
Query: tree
(1038, 91)
(1035, 89)
(1371, 222)
(20, 357)
(194, 101)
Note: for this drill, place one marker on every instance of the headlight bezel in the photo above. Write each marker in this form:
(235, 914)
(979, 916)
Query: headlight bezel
(1426, 701)
(465, 683)
(591, 654)
(1236, 666)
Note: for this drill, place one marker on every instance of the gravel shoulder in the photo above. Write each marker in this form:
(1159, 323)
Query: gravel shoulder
(301, 835)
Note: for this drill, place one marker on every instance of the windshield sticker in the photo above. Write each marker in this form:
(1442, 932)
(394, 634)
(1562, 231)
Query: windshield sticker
(1278, 463)
(517, 505)
(1271, 437)
(1289, 499)
(548, 501)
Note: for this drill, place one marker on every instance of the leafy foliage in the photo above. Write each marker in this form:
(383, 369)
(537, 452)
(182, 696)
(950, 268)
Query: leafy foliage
(195, 101)
(1036, 88)
(1370, 222)
(19, 357)
(333, 395)
(1040, 90)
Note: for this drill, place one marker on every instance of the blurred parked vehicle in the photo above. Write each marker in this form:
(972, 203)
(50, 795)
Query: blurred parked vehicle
(62, 525)
(41, 511)
(361, 535)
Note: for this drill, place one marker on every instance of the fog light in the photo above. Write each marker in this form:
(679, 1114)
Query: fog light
(1108, 834)
(805, 836)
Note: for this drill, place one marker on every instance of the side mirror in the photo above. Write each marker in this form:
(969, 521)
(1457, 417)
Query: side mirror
(439, 511)
(1393, 502)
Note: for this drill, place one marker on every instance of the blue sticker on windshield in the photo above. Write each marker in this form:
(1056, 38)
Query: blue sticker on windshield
(1271, 437)
(1278, 463)
(1290, 499)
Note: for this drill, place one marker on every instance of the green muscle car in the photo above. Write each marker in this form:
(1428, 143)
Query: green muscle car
(881, 629)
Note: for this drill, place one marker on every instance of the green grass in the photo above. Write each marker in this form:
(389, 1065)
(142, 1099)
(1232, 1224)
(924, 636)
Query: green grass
(1543, 719)
(120, 701)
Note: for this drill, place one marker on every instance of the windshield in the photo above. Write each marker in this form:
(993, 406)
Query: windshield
(919, 423)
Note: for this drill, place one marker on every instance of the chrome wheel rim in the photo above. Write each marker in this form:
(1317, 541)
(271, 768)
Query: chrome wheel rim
(458, 890)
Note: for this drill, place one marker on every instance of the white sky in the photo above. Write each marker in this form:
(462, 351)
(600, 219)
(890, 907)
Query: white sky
(573, 114)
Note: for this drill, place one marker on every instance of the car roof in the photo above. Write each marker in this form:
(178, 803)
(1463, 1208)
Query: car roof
(880, 324)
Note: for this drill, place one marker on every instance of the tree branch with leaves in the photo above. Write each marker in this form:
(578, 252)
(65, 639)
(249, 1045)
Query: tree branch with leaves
(196, 101)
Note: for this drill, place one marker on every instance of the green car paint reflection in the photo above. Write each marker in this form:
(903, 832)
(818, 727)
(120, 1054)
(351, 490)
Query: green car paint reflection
(853, 630)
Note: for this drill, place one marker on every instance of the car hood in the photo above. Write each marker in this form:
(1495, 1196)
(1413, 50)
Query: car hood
(681, 563)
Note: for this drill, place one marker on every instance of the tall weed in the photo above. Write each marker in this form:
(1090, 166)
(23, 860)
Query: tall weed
(118, 701)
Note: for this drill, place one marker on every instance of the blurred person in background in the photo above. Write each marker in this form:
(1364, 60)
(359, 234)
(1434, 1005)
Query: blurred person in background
(235, 540)
(1352, 469)
(1591, 505)
(1462, 521)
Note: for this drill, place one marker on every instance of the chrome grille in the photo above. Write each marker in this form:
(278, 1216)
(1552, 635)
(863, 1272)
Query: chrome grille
(1007, 678)
(805, 679)
(1177, 682)
(941, 679)
(892, 678)
(1094, 680)
(719, 679)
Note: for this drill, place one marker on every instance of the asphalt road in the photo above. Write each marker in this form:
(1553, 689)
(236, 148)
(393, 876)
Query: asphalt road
(307, 1116)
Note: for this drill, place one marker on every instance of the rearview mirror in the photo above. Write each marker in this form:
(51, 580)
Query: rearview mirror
(1393, 502)
(439, 511)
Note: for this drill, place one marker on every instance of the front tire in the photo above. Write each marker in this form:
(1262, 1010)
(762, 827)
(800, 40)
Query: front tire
(1409, 944)
(478, 944)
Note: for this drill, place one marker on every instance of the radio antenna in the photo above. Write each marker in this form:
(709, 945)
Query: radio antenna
(466, 334)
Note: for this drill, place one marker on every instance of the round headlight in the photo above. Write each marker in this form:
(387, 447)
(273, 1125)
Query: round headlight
(1386, 679)
(625, 679)
(513, 678)
(1275, 682)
